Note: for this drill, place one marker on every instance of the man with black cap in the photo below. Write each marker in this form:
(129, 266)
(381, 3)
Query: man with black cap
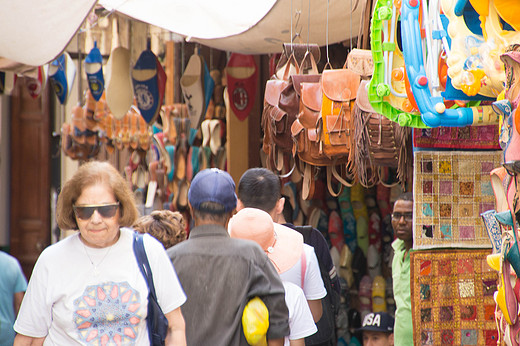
(220, 274)
(378, 329)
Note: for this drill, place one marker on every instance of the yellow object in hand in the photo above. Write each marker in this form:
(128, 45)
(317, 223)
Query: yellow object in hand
(255, 322)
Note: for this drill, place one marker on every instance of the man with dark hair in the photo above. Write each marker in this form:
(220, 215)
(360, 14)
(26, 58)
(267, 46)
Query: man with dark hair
(220, 274)
(402, 221)
(260, 188)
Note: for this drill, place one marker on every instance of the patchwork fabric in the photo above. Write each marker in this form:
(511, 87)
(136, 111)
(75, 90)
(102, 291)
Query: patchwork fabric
(452, 297)
(451, 190)
(468, 137)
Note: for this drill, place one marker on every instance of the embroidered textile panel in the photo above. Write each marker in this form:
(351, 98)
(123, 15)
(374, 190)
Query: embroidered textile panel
(468, 137)
(451, 190)
(452, 297)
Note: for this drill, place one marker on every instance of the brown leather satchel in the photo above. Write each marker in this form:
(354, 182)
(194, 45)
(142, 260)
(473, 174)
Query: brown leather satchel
(339, 90)
(380, 143)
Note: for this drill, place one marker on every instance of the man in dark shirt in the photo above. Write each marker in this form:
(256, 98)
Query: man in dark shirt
(260, 188)
(219, 274)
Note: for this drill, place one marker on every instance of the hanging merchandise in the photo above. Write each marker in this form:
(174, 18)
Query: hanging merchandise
(281, 108)
(452, 298)
(380, 143)
(192, 86)
(62, 72)
(451, 190)
(36, 85)
(119, 93)
(149, 81)
(242, 80)
(471, 75)
(94, 71)
(387, 88)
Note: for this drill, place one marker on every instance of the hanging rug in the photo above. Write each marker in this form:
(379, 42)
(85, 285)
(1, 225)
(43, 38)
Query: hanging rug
(467, 137)
(452, 297)
(451, 190)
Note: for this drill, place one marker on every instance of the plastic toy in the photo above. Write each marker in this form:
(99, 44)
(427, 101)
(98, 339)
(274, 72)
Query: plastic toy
(386, 90)
(431, 105)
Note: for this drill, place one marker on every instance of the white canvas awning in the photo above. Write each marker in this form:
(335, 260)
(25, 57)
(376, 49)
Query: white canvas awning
(35, 32)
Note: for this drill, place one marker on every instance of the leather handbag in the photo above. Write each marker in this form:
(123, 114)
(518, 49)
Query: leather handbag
(156, 322)
(339, 89)
(380, 143)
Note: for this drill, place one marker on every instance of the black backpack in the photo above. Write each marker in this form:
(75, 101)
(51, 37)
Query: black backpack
(326, 334)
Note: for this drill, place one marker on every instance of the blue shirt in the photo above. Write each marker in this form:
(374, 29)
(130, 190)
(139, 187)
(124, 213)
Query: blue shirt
(12, 281)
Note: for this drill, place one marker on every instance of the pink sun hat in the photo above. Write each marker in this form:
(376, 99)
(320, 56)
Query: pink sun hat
(282, 244)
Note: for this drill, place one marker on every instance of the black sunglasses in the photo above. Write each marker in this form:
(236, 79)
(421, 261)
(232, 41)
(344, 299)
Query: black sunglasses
(85, 212)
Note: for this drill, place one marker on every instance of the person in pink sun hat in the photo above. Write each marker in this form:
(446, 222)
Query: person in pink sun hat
(283, 247)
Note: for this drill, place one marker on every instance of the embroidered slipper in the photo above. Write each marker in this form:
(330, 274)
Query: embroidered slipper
(119, 92)
(146, 86)
(193, 89)
(242, 80)
(62, 72)
(94, 71)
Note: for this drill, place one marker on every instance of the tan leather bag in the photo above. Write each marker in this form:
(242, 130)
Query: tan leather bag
(339, 89)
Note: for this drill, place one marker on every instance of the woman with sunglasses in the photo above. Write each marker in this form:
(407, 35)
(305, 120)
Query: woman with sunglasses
(87, 288)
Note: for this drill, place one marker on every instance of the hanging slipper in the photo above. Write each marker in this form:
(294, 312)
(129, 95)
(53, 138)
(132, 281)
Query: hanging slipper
(94, 71)
(62, 72)
(193, 89)
(214, 135)
(146, 86)
(119, 92)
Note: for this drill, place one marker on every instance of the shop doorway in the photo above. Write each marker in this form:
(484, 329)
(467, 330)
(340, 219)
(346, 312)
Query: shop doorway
(30, 174)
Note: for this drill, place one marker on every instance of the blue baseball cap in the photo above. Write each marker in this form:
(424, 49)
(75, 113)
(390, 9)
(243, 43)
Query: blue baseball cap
(378, 322)
(213, 185)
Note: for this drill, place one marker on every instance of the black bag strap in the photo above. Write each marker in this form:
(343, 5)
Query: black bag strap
(142, 262)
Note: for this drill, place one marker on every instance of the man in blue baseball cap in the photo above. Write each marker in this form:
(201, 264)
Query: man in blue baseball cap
(220, 274)
(378, 329)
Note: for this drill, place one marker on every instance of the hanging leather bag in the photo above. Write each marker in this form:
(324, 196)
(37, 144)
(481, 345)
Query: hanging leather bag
(380, 143)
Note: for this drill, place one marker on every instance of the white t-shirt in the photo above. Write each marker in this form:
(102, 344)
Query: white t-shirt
(313, 286)
(301, 322)
(67, 299)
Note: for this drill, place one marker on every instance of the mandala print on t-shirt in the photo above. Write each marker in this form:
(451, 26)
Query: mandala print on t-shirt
(106, 314)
